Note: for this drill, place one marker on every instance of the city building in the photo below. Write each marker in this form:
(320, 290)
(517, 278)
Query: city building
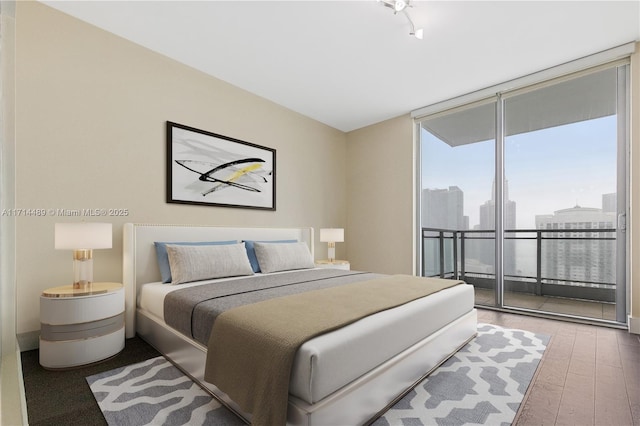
(580, 256)
(609, 203)
(443, 209)
(484, 251)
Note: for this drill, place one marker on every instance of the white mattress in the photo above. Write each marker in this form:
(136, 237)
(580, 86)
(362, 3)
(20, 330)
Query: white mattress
(328, 362)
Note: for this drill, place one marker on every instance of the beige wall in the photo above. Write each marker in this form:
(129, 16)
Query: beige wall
(90, 123)
(380, 181)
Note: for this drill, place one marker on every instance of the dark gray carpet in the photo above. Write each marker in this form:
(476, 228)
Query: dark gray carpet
(64, 397)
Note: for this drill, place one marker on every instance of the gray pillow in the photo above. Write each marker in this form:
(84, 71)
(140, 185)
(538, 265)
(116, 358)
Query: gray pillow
(195, 263)
(163, 258)
(283, 256)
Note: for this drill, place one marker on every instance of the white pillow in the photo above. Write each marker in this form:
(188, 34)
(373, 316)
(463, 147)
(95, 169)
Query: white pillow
(194, 263)
(283, 256)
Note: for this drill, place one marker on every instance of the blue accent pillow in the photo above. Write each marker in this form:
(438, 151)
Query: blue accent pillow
(163, 257)
(251, 251)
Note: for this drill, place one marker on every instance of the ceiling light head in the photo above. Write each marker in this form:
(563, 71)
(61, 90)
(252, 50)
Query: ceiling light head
(399, 5)
(396, 5)
(416, 32)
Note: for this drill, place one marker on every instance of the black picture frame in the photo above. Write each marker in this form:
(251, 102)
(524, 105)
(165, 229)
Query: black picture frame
(206, 168)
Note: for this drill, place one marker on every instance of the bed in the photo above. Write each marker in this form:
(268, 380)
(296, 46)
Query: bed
(344, 377)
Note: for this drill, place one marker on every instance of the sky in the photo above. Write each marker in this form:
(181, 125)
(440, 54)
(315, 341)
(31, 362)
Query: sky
(547, 170)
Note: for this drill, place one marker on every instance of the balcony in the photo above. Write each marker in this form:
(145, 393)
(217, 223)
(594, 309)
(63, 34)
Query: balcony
(564, 271)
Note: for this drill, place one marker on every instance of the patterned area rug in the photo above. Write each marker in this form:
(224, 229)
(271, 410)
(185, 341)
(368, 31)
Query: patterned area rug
(155, 392)
(483, 383)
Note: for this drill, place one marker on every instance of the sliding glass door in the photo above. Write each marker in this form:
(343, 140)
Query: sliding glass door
(524, 195)
(562, 166)
(458, 197)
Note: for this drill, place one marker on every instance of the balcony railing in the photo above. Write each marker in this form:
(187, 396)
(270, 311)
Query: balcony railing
(566, 260)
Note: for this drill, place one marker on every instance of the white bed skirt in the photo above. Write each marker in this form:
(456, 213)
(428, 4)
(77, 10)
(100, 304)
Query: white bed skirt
(354, 404)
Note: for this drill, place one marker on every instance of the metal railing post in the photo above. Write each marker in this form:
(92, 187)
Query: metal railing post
(462, 257)
(454, 241)
(539, 263)
(424, 256)
(441, 241)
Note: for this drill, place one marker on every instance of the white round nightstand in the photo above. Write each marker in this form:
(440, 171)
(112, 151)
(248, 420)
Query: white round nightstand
(333, 264)
(81, 326)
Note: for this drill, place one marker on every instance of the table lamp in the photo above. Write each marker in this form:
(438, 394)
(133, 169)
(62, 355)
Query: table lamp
(332, 236)
(82, 238)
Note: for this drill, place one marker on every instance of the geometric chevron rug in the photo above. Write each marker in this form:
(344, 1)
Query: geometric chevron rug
(155, 392)
(483, 383)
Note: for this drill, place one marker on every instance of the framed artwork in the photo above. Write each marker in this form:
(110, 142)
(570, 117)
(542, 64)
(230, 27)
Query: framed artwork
(210, 169)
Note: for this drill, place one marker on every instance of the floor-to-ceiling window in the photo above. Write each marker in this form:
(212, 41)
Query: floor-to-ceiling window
(523, 195)
(458, 195)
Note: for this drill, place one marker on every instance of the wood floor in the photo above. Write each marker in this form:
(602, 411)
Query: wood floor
(589, 375)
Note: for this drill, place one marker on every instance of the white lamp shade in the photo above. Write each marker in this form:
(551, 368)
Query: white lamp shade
(83, 235)
(331, 235)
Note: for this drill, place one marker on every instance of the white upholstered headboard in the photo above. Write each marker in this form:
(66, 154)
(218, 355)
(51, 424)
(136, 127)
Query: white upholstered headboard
(140, 264)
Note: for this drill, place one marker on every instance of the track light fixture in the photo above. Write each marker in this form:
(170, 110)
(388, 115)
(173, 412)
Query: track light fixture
(402, 6)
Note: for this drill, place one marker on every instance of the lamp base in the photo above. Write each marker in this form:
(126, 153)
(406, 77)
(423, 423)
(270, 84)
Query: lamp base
(83, 285)
(331, 252)
(82, 268)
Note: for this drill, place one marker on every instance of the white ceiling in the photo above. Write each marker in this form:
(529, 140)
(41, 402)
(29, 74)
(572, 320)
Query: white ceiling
(352, 63)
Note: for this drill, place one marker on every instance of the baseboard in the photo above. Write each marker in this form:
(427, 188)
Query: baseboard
(29, 341)
(634, 325)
